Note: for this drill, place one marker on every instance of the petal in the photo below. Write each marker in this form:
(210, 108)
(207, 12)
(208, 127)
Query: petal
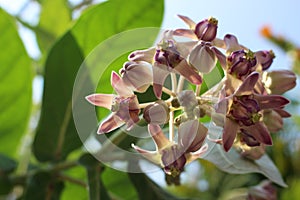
(282, 113)
(184, 48)
(232, 43)
(197, 154)
(119, 86)
(159, 77)
(158, 136)
(188, 21)
(202, 58)
(185, 33)
(102, 100)
(143, 55)
(271, 101)
(260, 132)
(229, 133)
(191, 135)
(247, 86)
(188, 72)
(221, 57)
(133, 73)
(152, 156)
(111, 123)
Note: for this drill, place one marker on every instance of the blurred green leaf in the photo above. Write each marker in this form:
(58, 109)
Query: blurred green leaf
(109, 18)
(5, 185)
(15, 86)
(212, 78)
(42, 185)
(95, 184)
(55, 18)
(233, 163)
(119, 184)
(147, 189)
(72, 190)
(7, 165)
(56, 135)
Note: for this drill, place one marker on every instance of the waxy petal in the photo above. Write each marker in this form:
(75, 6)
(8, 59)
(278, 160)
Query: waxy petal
(188, 72)
(271, 101)
(188, 21)
(221, 57)
(260, 132)
(229, 133)
(202, 58)
(247, 86)
(152, 156)
(159, 77)
(158, 136)
(197, 154)
(143, 55)
(232, 43)
(111, 123)
(185, 33)
(119, 86)
(102, 100)
(191, 135)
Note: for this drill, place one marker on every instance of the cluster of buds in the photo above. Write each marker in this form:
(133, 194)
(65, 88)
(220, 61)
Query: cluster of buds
(249, 106)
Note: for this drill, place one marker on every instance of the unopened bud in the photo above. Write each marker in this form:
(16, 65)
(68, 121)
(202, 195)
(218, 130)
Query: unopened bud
(279, 81)
(206, 30)
(157, 113)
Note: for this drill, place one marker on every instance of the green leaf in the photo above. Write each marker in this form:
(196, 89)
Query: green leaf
(119, 184)
(56, 135)
(7, 165)
(147, 189)
(55, 13)
(212, 78)
(5, 185)
(109, 18)
(233, 163)
(15, 86)
(94, 169)
(42, 185)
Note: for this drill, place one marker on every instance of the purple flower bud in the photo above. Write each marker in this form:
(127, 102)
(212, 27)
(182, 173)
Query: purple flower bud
(265, 58)
(157, 113)
(264, 191)
(279, 81)
(206, 30)
(132, 73)
(241, 63)
(253, 153)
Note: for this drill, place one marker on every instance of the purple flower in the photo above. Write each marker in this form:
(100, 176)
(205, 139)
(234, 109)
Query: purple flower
(205, 30)
(172, 157)
(265, 58)
(241, 63)
(243, 110)
(124, 105)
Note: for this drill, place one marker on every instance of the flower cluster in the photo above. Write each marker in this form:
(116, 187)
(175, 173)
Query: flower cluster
(249, 108)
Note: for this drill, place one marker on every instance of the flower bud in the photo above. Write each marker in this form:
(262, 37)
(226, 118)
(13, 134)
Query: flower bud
(265, 58)
(206, 30)
(241, 63)
(203, 58)
(253, 153)
(273, 120)
(132, 73)
(157, 113)
(264, 191)
(279, 81)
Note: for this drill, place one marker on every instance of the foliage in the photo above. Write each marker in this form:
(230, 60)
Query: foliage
(49, 160)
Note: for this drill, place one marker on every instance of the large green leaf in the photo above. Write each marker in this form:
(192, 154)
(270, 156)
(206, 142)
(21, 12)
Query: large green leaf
(15, 86)
(56, 135)
(232, 162)
(109, 18)
(55, 18)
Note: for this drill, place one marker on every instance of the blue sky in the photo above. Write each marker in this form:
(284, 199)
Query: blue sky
(242, 18)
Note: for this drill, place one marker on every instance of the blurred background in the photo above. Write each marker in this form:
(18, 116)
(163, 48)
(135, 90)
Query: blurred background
(260, 25)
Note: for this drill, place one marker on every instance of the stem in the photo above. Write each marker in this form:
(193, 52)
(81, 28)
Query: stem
(144, 105)
(169, 92)
(180, 84)
(198, 89)
(174, 82)
(171, 126)
(72, 180)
